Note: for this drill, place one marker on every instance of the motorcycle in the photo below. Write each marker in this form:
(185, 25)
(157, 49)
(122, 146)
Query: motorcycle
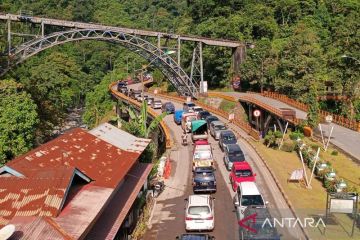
(158, 187)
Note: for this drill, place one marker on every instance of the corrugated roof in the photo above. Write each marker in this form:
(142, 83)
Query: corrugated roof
(35, 228)
(100, 160)
(120, 138)
(112, 218)
(40, 195)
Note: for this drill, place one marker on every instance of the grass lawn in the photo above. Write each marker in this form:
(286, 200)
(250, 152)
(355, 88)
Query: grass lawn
(312, 201)
(227, 106)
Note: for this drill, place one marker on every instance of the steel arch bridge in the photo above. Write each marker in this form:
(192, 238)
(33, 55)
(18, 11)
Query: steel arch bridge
(169, 67)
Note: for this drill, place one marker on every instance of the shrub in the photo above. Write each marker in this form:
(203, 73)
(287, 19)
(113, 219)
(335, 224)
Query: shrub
(295, 135)
(288, 146)
(334, 153)
(271, 138)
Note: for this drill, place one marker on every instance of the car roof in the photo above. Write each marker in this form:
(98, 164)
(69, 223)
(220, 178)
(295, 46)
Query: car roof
(249, 188)
(199, 200)
(211, 117)
(188, 103)
(205, 111)
(241, 165)
(194, 236)
(157, 100)
(202, 147)
(233, 147)
(227, 132)
(204, 169)
(217, 123)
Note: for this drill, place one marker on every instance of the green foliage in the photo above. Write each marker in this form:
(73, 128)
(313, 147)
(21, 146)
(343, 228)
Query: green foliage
(18, 120)
(138, 125)
(334, 153)
(296, 135)
(272, 138)
(288, 146)
(158, 77)
(99, 102)
(227, 106)
(313, 117)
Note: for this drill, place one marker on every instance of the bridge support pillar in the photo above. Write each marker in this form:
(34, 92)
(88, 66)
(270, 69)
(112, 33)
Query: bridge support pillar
(238, 57)
(197, 70)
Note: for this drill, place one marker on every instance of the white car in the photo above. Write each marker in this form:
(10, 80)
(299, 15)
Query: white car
(247, 194)
(199, 213)
(156, 104)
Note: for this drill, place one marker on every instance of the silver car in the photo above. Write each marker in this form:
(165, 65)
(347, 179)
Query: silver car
(156, 104)
(215, 128)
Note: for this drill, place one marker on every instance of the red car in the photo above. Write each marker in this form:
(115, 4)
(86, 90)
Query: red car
(241, 172)
(201, 142)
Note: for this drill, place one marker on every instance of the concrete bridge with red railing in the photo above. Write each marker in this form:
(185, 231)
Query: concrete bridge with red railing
(345, 135)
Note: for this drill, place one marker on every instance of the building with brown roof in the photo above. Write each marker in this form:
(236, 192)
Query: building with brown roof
(80, 185)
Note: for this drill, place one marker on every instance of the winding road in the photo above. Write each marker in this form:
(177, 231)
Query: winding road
(167, 218)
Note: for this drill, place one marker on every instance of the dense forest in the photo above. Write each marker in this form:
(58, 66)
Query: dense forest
(299, 45)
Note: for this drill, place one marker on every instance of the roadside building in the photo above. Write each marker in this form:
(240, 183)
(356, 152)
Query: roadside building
(81, 185)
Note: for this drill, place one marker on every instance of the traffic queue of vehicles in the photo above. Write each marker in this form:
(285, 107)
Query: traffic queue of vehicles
(199, 209)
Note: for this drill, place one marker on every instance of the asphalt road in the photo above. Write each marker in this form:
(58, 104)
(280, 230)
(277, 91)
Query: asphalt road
(168, 218)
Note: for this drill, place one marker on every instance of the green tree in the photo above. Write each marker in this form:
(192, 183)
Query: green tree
(313, 117)
(18, 120)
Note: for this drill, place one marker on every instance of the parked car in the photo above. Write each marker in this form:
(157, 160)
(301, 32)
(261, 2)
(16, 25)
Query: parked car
(226, 137)
(247, 194)
(156, 104)
(204, 179)
(177, 116)
(199, 213)
(197, 109)
(203, 156)
(210, 119)
(150, 100)
(168, 107)
(262, 231)
(203, 115)
(188, 106)
(215, 128)
(233, 154)
(195, 236)
(241, 172)
(186, 120)
(198, 130)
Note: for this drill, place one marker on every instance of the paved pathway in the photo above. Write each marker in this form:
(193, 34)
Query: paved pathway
(343, 138)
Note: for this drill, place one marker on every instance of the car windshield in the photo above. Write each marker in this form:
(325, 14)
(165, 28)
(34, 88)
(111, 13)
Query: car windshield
(243, 173)
(190, 105)
(229, 138)
(220, 127)
(248, 200)
(199, 210)
(198, 109)
(201, 155)
(157, 102)
(236, 158)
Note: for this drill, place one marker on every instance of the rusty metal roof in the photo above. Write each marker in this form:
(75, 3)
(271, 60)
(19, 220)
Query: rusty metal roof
(120, 138)
(35, 228)
(103, 162)
(115, 213)
(40, 195)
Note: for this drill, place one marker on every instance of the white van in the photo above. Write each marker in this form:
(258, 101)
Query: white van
(199, 213)
(247, 194)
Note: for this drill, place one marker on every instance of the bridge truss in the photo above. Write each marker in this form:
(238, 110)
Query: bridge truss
(132, 39)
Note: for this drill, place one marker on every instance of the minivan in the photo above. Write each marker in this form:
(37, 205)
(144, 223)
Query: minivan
(247, 194)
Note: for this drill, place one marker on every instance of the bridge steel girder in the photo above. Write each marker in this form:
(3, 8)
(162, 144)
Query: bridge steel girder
(169, 67)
